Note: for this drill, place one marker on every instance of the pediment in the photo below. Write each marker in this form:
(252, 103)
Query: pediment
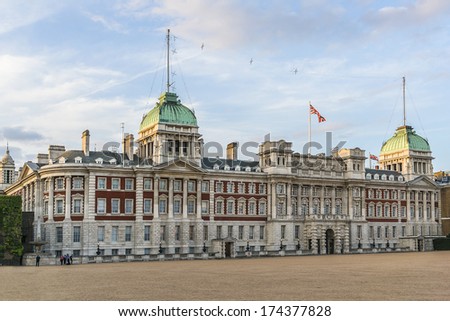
(26, 171)
(422, 181)
(179, 165)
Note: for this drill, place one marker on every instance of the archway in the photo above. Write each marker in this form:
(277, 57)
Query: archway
(330, 241)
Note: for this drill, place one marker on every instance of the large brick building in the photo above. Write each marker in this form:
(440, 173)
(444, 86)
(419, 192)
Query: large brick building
(165, 197)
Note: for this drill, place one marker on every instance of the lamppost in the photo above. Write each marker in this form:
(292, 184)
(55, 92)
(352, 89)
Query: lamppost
(298, 245)
(98, 249)
(359, 244)
(247, 247)
(281, 245)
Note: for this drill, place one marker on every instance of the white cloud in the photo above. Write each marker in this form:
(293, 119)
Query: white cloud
(108, 23)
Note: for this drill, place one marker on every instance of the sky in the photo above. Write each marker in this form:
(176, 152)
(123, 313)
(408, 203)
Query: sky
(247, 69)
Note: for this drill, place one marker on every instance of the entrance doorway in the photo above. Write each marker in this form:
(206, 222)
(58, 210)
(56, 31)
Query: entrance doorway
(330, 241)
(228, 247)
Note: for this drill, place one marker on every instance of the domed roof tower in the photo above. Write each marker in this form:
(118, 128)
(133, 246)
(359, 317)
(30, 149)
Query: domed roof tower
(7, 170)
(169, 131)
(407, 152)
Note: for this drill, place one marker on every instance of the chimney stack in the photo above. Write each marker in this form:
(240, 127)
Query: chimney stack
(232, 151)
(128, 146)
(85, 142)
(54, 151)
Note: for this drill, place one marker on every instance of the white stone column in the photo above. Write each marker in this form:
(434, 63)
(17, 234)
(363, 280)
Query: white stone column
(185, 198)
(333, 200)
(156, 198)
(416, 199)
(51, 202)
(68, 197)
(289, 200)
(199, 199)
(408, 205)
(433, 201)
(170, 205)
(322, 200)
(274, 200)
(139, 197)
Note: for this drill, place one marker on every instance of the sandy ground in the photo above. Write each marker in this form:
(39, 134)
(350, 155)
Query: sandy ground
(390, 276)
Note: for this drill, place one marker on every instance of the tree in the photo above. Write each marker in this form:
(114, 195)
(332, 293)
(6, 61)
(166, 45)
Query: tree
(11, 225)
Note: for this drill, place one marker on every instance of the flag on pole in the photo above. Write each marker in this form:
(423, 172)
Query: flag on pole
(314, 111)
(373, 157)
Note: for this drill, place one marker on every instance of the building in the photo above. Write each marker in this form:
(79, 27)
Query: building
(7, 171)
(161, 196)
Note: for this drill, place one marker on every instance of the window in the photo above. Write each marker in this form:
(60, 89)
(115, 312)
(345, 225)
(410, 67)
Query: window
(163, 206)
(283, 231)
(219, 231)
(262, 208)
(394, 231)
(251, 232)
(386, 232)
(147, 229)
(45, 207)
(230, 207)
(115, 206)
(261, 232)
(205, 233)
(177, 206)
(386, 210)
(163, 184)
(147, 184)
(219, 187)
(251, 207)
(241, 188)
(128, 251)
(127, 233)
(230, 187)
(177, 232)
(297, 232)
(191, 206)
(371, 232)
(59, 206)
(230, 231)
(177, 186)
(262, 189)
(219, 207)
(205, 187)
(128, 206)
(101, 205)
(359, 231)
(129, 184)
(191, 232)
(59, 234)
(77, 183)
(241, 232)
(252, 188)
(147, 206)
(76, 234)
(115, 183)
(241, 207)
(205, 207)
(59, 183)
(191, 186)
(338, 207)
(101, 183)
(115, 234)
(100, 233)
(281, 189)
(76, 206)
(115, 252)
(379, 232)
(379, 209)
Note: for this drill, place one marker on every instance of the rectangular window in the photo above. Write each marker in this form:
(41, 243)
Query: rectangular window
(403, 230)
(251, 208)
(45, 207)
(241, 232)
(147, 229)
(76, 234)
(115, 206)
(101, 183)
(386, 232)
(230, 231)
(283, 231)
(59, 234)
(241, 208)
(219, 231)
(219, 187)
(162, 233)
(147, 184)
(177, 186)
(205, 207)
(177, 206)
(262, 189)
(115, 234)
(251, 188)
(261, 232)
(177, 232)
(205, 187)
(191, 232)
(297, 232)
(191, 206)
(59, 206)
(147, 205)
(251, 232)
(191, 186)
(163, 206)
(241, 188)
(163, 184)
(230, 207)
(371, 232)
(128, 251)
(128, 206)
(77, 183)
(379, 232)
(101, 205)
(129, 184)
(100, 233)
(205, 233)
(359, 231)
(230, 187)
(76, 206)
(127, 233)
(59, 183)
(262, 208)
(394, 231)
(115, 252)
(280, 189)
(115, 183)
(219, 207)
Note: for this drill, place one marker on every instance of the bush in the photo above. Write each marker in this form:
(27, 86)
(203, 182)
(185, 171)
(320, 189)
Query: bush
(10, 226)
(441, 244)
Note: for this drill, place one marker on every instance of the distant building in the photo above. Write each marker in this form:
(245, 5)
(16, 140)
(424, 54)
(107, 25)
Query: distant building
(7, 171)
(443, 179)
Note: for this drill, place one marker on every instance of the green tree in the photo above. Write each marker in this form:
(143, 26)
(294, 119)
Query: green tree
(11, 225)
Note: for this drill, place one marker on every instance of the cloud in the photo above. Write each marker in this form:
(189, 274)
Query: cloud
(18, 13)
(108, 23)
(20, 134)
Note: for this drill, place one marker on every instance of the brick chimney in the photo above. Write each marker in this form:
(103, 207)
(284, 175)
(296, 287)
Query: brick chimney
(232, 151)
(85, 142)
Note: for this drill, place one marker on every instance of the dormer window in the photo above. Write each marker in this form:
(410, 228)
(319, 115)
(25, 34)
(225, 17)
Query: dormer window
(99, 160)
(248, 169)
(368, 176)
(62, 160)
(113, 161)
(237, 168)
(383, 177)
(376, 176)
(227, 167)
(400, 178)
(391, 177)
(78, 160)
(216, 166)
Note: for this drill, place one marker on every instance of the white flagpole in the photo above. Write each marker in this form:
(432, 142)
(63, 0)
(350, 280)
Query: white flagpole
(309, 129)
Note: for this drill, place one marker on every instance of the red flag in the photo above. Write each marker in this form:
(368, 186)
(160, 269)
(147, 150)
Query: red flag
(314, 111)
(373, 157)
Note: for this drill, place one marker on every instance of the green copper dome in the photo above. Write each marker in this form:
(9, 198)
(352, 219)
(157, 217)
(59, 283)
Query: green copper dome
(169, 110)
(405, 138)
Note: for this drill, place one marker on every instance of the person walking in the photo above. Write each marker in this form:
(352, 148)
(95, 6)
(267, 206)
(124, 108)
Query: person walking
(61, 259)
(71, 259)
(38, 259)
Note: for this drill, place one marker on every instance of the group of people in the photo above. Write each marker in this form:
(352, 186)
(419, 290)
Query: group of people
(66, 259)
